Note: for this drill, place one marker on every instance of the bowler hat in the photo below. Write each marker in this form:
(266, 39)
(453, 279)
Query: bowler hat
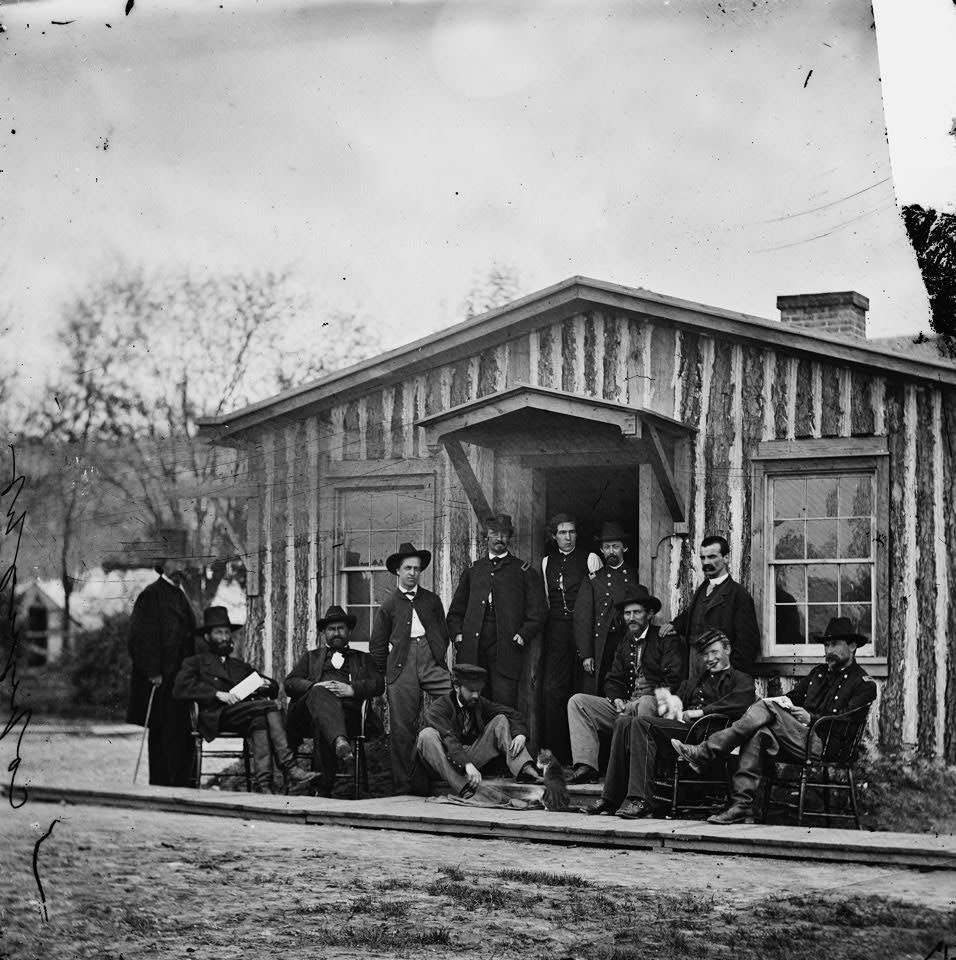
(335, 614)
(640, 594)
(405, 551)
(469, 675)
(711, 636)
(841, 628)
(216, 617)
(612, 530)
(498, 521)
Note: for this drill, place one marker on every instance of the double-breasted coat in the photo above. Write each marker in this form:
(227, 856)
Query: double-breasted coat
(662, 663)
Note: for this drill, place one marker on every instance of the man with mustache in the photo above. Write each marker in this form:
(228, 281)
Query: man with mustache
(838, 685)
(720, 603)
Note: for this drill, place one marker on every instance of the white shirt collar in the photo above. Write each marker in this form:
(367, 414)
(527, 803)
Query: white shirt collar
(413, 591)
(717, 581)
(499, 556)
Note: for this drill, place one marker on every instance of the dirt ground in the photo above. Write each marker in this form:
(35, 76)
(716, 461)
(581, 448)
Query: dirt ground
(129, 884)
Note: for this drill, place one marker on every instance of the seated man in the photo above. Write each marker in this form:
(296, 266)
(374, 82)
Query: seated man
(838, 685)
(464, 731)
(636, 740)
(207, 678)
(326, 688)
(643, 661)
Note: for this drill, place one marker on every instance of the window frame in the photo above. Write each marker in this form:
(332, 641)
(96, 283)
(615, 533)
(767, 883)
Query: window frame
(838, 455)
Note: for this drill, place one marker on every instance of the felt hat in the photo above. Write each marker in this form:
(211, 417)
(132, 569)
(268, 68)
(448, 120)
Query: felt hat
(335, 614)
(711, 636)
(405, 551)
(640, 594)
(216, 617)
(612, 530)
(469, 675)
(841, 628)
(498, 521)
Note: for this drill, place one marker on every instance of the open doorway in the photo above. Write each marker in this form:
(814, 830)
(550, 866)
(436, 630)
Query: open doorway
(593, 495)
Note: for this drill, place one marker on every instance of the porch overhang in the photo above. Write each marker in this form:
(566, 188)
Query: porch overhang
(542, 427)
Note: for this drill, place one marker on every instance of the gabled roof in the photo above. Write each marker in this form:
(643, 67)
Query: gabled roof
(549, 305)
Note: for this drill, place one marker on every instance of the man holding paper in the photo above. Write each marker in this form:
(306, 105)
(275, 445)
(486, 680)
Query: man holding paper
(233, 696)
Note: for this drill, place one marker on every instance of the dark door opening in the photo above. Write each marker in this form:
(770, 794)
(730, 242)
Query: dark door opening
(594, 496)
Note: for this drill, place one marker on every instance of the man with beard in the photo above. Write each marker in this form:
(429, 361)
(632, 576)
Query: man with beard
(208, 678)
(496, 610)
(838, 685)
(326, 688)
(636, 740)
(160, 638)
(565, 570)
(597, 626)
(720, 603)
(644, 661)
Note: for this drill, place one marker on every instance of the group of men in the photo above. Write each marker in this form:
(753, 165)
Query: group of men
(607, 669)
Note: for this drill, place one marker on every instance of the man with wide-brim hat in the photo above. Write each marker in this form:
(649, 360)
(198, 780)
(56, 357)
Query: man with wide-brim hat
(597, 626)
(161, 637)
(464, 731)
(209, 679)
(644, 661)
(409, 645)
(326, 688)
(838, 685)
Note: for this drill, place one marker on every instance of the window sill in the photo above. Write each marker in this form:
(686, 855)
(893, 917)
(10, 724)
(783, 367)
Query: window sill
(801, 666)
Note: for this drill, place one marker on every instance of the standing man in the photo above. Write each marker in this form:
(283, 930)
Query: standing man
(409, 645)
(636, 740)
(838, 685)
(597, 626)
(326, 688)
(720, 603)
(160, 638)
(565, 569)
(644, 661)
(496, 610)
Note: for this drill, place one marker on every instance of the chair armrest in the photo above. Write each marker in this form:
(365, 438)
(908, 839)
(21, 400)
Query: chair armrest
(193, 717)
(853, 721)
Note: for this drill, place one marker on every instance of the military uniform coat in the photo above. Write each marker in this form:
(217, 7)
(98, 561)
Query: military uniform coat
(662, 663)
(822, 692)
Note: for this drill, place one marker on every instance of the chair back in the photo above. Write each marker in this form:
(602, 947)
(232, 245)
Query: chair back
(840, 736)
(702, 728)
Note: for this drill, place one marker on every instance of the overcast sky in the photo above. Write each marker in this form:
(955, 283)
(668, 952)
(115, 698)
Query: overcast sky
(390, 152)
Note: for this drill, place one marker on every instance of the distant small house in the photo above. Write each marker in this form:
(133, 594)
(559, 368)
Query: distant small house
(41, 619)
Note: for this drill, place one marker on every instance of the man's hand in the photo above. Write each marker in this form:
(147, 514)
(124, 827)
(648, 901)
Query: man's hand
(517, 745)
(456, 638)
(157, 680)
(589, 666)
(619, 704)
(800, 715)
(688, 716)
(473, 774)
(265, 684)
(339, 689)
(226, 697)
(518, 639)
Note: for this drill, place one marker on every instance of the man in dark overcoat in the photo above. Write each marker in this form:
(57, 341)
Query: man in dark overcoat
(636, 740)
(326, 688)
(720, 603)
(208, 678)
(464, 731)
(838, 685)
(597, 625)
(409, 644)
(644, 661)
(160, 638)
(497, 609)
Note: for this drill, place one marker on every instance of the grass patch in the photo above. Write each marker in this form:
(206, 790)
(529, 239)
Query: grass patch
(394, 883)
(911, 795)
(544, 877)
(383, 937)
(453, 873)
(469, 896)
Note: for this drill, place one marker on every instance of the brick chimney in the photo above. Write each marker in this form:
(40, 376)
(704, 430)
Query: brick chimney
(833, 314)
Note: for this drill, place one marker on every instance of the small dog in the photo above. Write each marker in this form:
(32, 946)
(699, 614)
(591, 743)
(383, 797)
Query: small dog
(556, 796)
(669, 705)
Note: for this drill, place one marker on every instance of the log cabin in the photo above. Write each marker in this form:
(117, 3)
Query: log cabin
(826, 459)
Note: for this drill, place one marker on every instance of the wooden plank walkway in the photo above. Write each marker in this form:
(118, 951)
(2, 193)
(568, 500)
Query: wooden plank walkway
(416, 814)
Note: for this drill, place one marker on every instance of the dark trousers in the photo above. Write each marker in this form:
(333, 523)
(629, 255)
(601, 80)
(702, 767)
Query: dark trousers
(558, 681)
(322, 716)
(634, 750)
(500, 688)
(171, 744)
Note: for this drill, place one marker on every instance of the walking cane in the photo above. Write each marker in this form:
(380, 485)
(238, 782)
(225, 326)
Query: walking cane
(142, 743)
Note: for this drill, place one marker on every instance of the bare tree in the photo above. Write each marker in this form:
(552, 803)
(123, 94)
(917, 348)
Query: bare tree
(498, 286)
(147, 356)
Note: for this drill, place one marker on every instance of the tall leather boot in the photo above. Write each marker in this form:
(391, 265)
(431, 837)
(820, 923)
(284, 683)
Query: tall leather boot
(745, 782)
(261, 761)
(296, 780)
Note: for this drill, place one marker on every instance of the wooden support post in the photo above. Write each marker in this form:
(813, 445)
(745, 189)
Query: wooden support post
(470, 483)
(663, 472)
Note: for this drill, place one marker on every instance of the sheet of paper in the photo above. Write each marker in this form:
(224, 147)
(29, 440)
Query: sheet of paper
(783, 701)
(247, 685)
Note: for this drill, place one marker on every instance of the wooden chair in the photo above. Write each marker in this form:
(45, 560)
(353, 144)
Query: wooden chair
(840, 737)
(204, 751)
(359, 775)
(672, 773)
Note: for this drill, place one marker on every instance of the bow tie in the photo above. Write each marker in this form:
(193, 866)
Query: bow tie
(409, 596)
